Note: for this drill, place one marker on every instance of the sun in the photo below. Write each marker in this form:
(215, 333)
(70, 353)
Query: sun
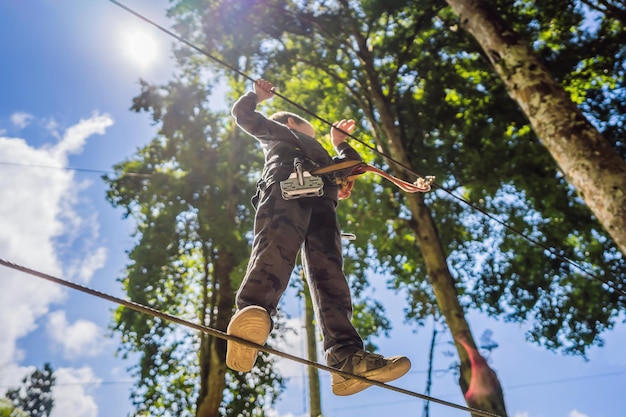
(140, 47)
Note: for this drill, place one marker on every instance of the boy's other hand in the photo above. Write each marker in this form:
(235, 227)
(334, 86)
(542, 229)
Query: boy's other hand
(340, 130)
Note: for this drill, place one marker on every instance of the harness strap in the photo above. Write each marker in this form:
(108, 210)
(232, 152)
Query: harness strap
(422, 185)
(337, 167)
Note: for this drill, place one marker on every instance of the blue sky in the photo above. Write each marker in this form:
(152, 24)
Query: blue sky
(67, 80)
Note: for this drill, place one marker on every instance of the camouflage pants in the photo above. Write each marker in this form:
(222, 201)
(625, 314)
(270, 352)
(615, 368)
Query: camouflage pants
(281, 229)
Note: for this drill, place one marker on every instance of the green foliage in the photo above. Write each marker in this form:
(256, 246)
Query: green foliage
(33, 398)
(582, 43)
(411, 60)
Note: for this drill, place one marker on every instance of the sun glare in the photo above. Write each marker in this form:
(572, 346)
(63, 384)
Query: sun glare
(141, 48)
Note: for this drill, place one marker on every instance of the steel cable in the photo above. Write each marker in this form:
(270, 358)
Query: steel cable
(217, 333)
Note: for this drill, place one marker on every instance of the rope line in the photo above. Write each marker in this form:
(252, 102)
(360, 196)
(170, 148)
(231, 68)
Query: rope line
(217, 333)
(87, 170)
(408, 169)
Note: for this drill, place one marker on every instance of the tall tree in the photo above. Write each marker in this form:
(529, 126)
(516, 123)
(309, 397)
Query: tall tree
(315, 399)
(587, 159)
(34, 397)
(519, 275)
(188, 193)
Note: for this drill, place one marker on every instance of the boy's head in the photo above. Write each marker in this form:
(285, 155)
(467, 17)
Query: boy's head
(293, 121)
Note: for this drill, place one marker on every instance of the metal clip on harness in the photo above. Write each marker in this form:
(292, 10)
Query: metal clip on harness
(301, 183)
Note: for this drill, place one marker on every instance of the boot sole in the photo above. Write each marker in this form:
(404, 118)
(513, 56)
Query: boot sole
(387, 373)
(252, 324)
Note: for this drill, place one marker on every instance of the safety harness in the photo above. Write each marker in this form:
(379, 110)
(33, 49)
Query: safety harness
(303, 183)
(309, 183)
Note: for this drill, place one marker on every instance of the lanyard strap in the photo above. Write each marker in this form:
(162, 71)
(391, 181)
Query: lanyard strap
(422, 185)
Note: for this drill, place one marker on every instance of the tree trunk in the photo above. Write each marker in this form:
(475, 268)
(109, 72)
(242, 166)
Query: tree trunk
(478, 382)
(587, 160)
(213, 349)
(315, 402)
(213, 353)
(212, 382)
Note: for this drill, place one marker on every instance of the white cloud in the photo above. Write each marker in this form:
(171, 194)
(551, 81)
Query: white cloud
(82, 338)
(75, 137)
(52, 127)
(521, 414)
(92, 263)
(82, 269)
(22, 300)
(11, 375)
(21, 119)
(576, 413)
(72, 393)
(37, 208)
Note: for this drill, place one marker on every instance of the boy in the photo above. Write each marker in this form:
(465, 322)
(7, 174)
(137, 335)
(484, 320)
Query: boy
(283, 225)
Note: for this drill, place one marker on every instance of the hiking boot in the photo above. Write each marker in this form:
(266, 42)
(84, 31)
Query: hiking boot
(370, 366)
(252, 323)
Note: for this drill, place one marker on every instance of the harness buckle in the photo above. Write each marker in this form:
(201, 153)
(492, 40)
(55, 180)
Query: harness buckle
(301, 183)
